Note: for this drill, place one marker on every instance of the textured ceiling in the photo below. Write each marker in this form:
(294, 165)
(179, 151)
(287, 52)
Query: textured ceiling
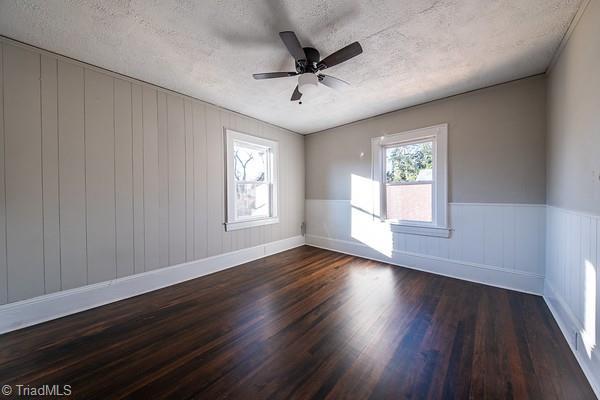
(414, 51)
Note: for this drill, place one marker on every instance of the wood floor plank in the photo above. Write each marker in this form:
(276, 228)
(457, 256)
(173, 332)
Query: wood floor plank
(305, 323)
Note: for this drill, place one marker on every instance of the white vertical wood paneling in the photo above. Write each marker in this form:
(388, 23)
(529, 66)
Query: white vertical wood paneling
(596, 258)
(458, 228)
(508, 237)
(23, 170)
(3, 269)
(551, 253)
(399, 240)
(100, 176)
(189, 181)
(572, 262)
(541, 214)
(298, 180)
(177, 208)
(225, 123)
(71, 150)
(493, 238)
(123, 178)
(561, 227)
(138, 178)
(200, 185)
(472, 245)
(430, 246)
(572, 259)
(163, 181)
(411, 243)
(292, 225)
(526, 240)
(214, 142)
(151, 186)
(107, 177)
(49, 93)
(284, 189)
(586, 253)
(577, 259)
(479, 233)
(284, 160)
(444, 248)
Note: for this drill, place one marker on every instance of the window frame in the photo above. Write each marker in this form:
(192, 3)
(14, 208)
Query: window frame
(438, 134)
(232, 221)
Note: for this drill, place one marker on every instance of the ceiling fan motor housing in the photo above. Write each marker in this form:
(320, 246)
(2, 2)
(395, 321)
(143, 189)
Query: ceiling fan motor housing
(310, 64)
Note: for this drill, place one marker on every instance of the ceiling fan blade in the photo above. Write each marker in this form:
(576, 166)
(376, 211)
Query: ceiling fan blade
(334, 83)
(293, 45)
(343, 54)
(296, 95)
(269, 75)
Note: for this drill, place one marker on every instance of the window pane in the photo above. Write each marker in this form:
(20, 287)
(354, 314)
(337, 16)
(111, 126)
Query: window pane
(250, 163)
(409, 202)
(252, 200)
(409, 163)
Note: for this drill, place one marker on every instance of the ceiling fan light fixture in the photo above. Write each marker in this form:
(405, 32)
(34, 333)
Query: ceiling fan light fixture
(309, 65)
(308, 83)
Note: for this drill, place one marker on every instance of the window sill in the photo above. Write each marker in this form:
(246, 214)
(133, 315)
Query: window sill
(234, 226)
(436, 231)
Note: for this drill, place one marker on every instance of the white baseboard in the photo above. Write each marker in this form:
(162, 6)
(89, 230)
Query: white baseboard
(485, 274)
(55, 305)
(569, 326)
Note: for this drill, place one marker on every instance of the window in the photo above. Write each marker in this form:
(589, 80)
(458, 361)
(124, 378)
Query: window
(251, 168)
(410, 168)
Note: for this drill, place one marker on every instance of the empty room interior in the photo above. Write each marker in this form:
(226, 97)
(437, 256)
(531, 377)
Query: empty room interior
(364, 199)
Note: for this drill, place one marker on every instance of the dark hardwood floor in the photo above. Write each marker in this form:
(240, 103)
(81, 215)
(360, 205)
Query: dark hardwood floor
(306, 323)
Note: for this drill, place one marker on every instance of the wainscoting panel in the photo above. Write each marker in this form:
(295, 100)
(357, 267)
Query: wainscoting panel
(487, 241)
(572, 281)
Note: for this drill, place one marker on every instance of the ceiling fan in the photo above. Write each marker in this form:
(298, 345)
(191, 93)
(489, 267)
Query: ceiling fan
(309, 65)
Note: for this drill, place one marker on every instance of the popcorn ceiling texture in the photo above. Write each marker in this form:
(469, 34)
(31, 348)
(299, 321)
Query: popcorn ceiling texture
(414, 51)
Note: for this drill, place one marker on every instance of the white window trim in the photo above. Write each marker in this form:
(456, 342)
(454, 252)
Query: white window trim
(231, 223)
(439, 226)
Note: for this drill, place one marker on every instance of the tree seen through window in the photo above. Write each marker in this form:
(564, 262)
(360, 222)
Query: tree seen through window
(409, 163)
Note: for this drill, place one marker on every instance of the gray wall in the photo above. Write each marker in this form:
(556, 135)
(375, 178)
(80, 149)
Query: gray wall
(105, 177)
(573, 221)
(574, 119)
(496, 145)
